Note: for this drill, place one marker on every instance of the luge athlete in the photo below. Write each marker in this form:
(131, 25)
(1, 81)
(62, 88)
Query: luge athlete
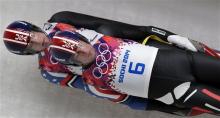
(50, 65)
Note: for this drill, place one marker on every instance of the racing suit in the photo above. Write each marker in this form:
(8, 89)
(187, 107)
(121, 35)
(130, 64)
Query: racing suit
(71, 76)
(131, 68)
(132, 101)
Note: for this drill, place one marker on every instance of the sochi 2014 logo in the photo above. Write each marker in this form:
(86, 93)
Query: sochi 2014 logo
(102, 61)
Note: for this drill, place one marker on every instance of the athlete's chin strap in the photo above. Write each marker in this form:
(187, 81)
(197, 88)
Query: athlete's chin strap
(154, 37)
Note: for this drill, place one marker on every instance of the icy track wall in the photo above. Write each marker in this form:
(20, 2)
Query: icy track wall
(25, 94)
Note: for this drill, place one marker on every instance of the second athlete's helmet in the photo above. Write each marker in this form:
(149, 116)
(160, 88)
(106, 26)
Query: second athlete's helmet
(64, 45)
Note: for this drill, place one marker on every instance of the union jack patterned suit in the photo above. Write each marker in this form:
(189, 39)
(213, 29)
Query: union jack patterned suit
(59, 74)
(71, 76)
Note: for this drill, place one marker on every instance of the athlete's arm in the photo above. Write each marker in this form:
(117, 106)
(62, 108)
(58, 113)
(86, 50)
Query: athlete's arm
(123, 30)
(109, 27)
(136, 103)
(104, 26)
(76, 81)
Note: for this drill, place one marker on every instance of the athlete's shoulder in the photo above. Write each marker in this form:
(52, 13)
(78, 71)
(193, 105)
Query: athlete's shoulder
(55, 27)
(91, 35)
